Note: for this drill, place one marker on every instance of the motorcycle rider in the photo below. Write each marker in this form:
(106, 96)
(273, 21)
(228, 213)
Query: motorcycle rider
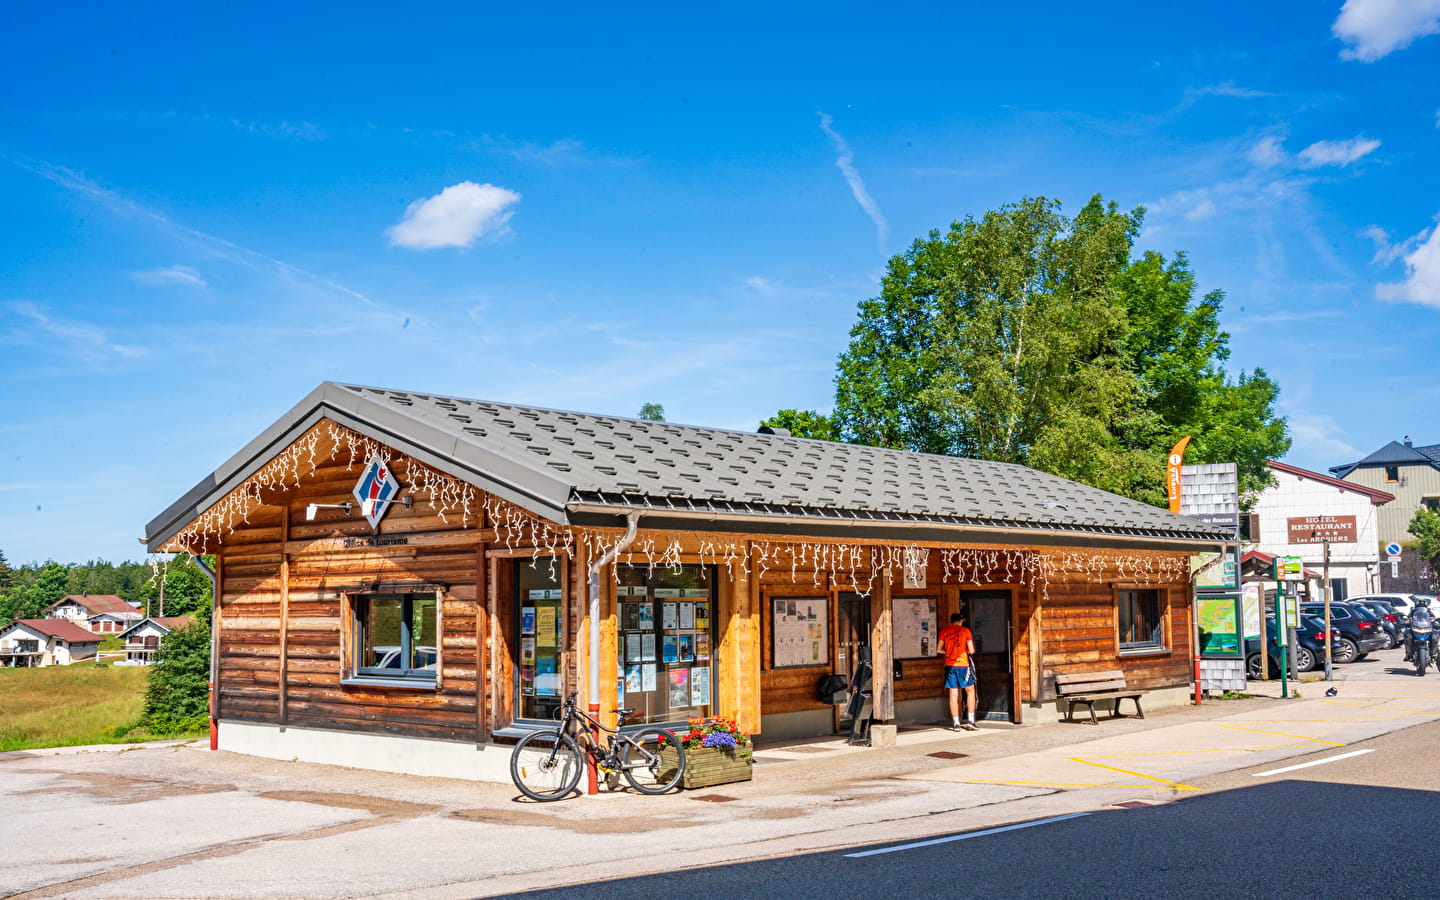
(1423, 616)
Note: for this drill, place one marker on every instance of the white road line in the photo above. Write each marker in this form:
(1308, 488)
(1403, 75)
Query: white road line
(1318, 762)
(962, 837)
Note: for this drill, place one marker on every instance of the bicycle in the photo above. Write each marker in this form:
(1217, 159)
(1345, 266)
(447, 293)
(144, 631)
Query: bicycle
(546, 765)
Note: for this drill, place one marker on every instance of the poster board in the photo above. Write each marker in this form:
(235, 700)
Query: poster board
(799, 632)
(1220, 620)
(914, 626)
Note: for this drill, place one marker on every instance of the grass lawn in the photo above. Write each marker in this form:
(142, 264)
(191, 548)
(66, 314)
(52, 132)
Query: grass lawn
(66, 706)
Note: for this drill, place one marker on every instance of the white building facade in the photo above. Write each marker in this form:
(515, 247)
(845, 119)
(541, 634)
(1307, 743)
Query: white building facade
(1304, 509)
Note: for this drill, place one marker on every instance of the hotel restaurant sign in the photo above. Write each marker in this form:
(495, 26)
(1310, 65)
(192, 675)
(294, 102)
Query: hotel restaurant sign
(1319, 529)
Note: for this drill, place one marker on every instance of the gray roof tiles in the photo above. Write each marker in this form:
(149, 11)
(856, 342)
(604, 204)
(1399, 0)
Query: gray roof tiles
(554, 461)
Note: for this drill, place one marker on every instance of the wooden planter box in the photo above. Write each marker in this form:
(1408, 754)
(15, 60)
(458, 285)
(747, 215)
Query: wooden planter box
(708, 766)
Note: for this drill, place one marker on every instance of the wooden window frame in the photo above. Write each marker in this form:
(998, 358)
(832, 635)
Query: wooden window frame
(1162, 601)
(352, 675)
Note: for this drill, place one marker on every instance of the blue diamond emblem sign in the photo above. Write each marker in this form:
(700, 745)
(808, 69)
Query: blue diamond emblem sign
(375, 490)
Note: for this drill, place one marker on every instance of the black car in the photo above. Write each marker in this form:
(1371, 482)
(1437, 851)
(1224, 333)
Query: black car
(1390, 619)
(1360, 631)
(1309, 648)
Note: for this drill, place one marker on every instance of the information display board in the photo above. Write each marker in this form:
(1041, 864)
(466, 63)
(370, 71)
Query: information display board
(1219, 620)
(914, 627)
(799, 632)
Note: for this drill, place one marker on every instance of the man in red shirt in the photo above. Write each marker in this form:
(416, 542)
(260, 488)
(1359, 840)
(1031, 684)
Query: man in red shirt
(958, 644)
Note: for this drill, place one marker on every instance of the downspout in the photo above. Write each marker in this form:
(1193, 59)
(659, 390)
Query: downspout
(214, 656)
(632, 522)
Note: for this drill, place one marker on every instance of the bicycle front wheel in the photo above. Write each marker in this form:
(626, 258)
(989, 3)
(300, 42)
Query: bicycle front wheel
(649, 768)
(546, 765)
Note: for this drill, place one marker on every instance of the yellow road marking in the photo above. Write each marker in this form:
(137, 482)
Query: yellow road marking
(1143, 787)
(1216, 750)
(1298, 737)
(1182, 787)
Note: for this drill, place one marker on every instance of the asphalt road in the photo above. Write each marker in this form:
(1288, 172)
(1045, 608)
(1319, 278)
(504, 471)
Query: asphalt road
(1339, 829)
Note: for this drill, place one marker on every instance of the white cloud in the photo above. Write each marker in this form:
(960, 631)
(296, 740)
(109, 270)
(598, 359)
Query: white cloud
(1225, 89)
(1319, 435)
(761, 285)
(171, 275)
(845, 162)
(1201, 210)
(1268, 152)
(1336, 153)
(1375, 28)
(455, 217)
(80, 339)
(1422, 271)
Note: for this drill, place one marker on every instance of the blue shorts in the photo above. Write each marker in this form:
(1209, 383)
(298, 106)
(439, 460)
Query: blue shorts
(959, 677)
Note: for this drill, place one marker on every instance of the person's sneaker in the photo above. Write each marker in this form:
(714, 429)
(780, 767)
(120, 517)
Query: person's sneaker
(970, 726)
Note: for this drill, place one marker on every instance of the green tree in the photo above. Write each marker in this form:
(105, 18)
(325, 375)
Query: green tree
(1034, 338)
(652, 412)
(804, 423)
(1425, 525)
(6, 574)
(177, 686)
(187, 589)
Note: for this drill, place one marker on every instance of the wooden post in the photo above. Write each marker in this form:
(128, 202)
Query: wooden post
(882, 650)
(284, 615)
(749, 713)
(482, 630)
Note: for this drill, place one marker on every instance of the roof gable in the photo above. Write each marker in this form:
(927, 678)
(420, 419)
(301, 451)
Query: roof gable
(556, 463)
(1392, 454)
(94, 604)
(59, 628)
(1376, 495)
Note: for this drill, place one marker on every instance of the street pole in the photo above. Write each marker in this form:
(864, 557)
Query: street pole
(1282, 605)
(1329, 669)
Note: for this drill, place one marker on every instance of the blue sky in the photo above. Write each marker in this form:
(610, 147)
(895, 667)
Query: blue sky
(211, 211)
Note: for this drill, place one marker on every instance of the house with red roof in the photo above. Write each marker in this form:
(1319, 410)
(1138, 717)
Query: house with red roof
(99, 613)
(31, 643)
(143, 638)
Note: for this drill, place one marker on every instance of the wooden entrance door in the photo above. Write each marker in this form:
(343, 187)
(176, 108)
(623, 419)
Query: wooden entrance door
(987, 613)
(852, 637)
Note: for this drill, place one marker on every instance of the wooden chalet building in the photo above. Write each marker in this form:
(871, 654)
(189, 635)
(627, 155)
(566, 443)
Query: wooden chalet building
(407, 581)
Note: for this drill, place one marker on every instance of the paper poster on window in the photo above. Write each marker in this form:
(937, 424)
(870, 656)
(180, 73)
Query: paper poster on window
(702, 647)
(687, 647)
(700, 686)
(672, 617)
(527, 620)
(647, 678)
(799, 632)
(629, 617)
(647, 616)
(547, 680)
(687, 615)
(671, 649)
(679, 688)
(634, 680)
(527, 651)
(547, 626)
(702, 615)
(527, 681)
(914, 627)
(632, 648)
(647, 648)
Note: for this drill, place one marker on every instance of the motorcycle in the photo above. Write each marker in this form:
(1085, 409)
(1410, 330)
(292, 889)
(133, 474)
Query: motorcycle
(1423, 641)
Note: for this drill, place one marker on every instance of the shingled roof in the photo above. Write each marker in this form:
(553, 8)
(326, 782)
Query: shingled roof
(1393, 454)
(581, 468)
(96, 604)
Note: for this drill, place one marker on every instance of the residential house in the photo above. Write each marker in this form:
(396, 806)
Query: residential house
(100, 613)
(143, 638)
(29, 643)
(1412, 475)
(411, 582)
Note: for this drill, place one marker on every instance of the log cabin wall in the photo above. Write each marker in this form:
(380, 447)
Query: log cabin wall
(1080, 632)
(279, 568)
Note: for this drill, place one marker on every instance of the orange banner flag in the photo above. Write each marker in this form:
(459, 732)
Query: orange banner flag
(1172, 472)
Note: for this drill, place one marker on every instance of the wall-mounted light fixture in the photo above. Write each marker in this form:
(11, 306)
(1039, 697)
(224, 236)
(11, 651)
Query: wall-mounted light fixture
(312, 508)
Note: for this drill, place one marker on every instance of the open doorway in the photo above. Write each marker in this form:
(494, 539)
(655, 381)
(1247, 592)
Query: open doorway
(987, 614)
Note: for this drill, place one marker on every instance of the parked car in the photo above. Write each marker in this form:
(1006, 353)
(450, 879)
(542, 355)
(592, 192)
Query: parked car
(1403, 603)
(1309, 647)
(1390, 620)
(1360, 631)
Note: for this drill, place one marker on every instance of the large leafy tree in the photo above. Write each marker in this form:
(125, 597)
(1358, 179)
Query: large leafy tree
(177, 686)
(1031, 337)
(803, 423)
(1425, 525)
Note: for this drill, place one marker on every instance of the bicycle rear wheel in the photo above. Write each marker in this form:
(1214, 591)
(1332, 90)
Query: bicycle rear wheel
(648, 768)
(546, 765)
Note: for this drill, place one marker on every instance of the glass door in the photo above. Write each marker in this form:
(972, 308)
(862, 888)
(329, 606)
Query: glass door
(542, 639)
(852, 637)
(988, 617)
(666, 634)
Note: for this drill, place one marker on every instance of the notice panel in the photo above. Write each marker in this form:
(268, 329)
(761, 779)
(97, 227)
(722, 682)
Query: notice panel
(1319, 529)
(799, 630)
(914, 627)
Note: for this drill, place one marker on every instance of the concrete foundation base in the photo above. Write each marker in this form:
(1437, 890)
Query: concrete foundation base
(385, 753)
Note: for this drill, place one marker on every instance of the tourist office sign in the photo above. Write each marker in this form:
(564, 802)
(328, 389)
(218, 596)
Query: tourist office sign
(1321, 529)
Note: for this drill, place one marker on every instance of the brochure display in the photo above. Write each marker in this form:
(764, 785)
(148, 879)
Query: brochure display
(915, 627)
(665, 642)
(800, 632)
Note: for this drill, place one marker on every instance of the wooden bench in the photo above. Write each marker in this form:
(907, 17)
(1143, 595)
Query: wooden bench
(1087, 687)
